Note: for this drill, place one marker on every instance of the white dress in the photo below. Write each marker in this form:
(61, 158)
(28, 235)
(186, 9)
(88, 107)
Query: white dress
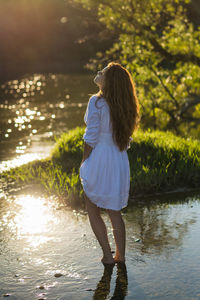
(105, 174)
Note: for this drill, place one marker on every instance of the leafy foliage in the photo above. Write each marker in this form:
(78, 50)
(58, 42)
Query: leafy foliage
(160, 45)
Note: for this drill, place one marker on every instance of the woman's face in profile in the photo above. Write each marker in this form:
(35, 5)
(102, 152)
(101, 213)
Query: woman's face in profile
(99, 79)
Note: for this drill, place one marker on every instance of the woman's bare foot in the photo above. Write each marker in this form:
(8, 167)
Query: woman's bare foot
(119, 259)
(109, 261)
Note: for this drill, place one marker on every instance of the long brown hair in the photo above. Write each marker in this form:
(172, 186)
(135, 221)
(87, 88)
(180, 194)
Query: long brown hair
(119, 92)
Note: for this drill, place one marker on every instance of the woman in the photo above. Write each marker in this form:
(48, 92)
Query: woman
(111, 117)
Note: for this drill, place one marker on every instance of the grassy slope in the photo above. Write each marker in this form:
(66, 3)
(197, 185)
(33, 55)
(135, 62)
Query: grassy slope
(159, 161)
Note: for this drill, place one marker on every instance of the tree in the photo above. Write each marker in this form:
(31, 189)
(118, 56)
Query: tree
(158, 41)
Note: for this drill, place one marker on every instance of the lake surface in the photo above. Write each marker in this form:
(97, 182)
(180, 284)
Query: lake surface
(36, 109)
(40, 237)
(50, 252)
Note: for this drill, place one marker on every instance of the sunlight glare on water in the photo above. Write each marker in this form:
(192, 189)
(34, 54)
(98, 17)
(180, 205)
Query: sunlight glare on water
(19, 160)
(33, 219)
(35, 109)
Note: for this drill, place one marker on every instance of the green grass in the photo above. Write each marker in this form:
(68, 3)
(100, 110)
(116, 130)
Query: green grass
(159, 162)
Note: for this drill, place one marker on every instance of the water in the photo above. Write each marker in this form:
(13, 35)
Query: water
(50, 252)
(36, 108)
(40, 237)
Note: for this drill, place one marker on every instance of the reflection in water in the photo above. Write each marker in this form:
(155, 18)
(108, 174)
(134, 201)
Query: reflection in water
(103, 287)
(159, 228)
(121, 284)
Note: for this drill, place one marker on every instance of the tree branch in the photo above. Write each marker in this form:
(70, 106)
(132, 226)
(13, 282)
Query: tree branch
(157, 46)
(191, 102)
(171, 113)
(174, 57)
(165, 87)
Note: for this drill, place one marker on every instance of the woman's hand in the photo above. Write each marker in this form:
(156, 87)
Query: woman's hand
(82, 161)
(86, 152)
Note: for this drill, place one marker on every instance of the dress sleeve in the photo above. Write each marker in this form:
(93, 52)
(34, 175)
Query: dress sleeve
(92, 120)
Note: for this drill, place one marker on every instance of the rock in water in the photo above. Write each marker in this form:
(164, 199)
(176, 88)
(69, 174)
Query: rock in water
(58, 274)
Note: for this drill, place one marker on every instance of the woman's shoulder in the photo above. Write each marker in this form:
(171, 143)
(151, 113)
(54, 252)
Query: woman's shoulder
(93, 97)
(97, 101)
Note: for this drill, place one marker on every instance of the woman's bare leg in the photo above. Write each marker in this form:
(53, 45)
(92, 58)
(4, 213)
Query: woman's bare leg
(99, 229)
(119, 232)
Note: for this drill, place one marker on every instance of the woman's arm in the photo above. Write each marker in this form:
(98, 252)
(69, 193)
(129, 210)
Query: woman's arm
(86, 151)
(92, 120)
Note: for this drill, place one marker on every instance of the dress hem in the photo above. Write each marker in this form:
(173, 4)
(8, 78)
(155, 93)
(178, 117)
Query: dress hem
(91, 198)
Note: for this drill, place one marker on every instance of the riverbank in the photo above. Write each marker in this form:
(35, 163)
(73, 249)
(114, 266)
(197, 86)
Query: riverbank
(159, 162)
